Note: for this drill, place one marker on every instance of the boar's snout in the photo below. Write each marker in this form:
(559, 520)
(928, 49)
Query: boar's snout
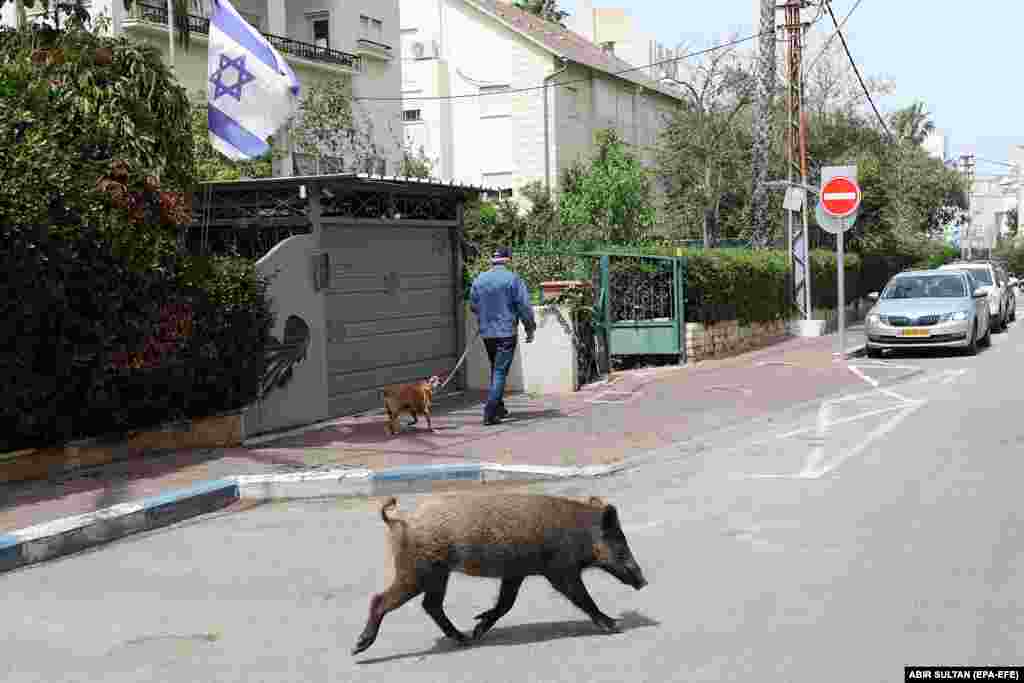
(637, 579)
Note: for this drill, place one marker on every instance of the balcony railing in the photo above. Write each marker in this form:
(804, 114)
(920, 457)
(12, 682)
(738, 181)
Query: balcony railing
(366, 42)
(157, 14)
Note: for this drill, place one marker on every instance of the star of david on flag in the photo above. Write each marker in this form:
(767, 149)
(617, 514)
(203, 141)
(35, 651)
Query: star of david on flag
(251, 89)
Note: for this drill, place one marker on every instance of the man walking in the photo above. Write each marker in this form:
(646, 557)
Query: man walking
(500, 300)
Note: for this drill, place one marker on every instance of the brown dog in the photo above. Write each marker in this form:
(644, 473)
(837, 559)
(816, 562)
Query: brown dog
(413, 398)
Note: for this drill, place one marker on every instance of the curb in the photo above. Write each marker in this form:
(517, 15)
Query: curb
(69, 535)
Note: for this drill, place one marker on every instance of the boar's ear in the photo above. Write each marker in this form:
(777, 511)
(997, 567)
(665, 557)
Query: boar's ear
(610, 518)
(597, 501)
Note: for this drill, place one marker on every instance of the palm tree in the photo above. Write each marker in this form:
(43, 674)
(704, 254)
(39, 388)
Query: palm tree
(912, 123)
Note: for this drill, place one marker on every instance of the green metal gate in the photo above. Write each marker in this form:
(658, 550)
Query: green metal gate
(641, 304)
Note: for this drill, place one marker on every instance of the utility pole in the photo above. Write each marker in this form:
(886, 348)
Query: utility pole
(967, 168)
(760, 220)
(796, 156)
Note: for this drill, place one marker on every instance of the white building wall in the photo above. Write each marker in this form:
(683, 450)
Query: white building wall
(379, 77)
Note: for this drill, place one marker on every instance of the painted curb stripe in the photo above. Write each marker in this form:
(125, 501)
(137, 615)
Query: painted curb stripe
(229, 486)
(428, 472)
(68, 535)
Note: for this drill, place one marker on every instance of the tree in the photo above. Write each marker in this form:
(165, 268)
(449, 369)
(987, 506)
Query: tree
(415, 164)
(705, 150)
(912, 124)
(609, 198)
(76, 12)
(761, 126)
(548, 10)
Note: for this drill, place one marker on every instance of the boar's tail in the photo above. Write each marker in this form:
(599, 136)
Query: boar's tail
(389, 504)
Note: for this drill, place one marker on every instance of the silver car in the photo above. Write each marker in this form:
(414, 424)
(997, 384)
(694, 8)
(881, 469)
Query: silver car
(929, 308)
(1002, 306)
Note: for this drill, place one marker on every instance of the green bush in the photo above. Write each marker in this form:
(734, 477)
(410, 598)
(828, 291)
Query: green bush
(95, 346)
(106, 327)
(825, 278)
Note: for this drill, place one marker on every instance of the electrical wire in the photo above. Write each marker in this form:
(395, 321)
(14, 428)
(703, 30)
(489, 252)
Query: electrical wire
(688, 55)
(867, 94)
(828, 42)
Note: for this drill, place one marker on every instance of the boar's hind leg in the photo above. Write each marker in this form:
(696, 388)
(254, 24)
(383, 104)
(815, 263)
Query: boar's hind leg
(572, 587)
(394, 597)
(435, 585)
(506, 598)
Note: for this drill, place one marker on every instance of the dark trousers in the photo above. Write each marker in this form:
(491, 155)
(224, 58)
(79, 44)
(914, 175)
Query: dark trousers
(500, 351)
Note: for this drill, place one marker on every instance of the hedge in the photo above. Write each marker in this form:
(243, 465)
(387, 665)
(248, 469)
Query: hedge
(94, 346)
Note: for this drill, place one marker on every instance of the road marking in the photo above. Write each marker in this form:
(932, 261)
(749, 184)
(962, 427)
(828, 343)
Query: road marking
(862, 446)
(776, 362)
(842, 421)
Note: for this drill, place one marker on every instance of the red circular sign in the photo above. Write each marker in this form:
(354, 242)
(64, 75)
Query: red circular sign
(840, 197)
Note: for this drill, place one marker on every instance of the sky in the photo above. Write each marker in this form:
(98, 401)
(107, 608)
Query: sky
(957, 57)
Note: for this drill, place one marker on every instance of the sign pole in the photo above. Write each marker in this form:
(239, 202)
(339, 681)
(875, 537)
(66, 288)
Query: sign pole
(841, 268)
(836, 213)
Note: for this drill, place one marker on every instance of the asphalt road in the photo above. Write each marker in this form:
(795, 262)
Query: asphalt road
(839, 541)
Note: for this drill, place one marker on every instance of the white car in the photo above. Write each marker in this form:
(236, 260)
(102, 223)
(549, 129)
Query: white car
(921, 309)
(1002, 306)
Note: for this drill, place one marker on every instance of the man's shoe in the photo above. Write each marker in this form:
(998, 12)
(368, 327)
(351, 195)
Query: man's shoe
(492, 420)
(502, 413)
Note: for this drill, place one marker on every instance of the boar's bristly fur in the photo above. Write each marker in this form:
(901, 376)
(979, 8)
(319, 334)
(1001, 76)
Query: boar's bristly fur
(508, 536)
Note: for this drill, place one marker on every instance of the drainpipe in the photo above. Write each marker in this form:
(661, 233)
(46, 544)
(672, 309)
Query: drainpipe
(547, 124)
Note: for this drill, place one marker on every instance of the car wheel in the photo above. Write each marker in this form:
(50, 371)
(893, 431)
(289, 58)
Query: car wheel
(972, 346)
(986, 341)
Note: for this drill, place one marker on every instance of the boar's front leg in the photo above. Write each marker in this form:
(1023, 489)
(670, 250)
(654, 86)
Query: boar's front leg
(571, 586)
(435, 585)
(506, 598)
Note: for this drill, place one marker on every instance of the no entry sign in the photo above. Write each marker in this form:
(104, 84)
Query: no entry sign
(840, 197)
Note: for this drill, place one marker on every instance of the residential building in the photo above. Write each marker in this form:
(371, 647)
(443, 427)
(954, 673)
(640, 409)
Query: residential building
(353, 40)
(475, 99)
(614, 29)
(937, 144)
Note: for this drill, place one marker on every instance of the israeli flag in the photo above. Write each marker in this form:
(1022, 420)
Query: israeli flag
(251, 90)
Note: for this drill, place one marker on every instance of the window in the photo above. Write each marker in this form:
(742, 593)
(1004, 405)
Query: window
(412, 115)
(572, 98)
(321, 32)
(370, 28)
(375, 166)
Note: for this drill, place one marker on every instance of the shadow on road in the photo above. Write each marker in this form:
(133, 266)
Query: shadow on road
(523, 634)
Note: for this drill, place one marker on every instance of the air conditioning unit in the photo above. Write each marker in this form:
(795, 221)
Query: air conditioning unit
(425, 49)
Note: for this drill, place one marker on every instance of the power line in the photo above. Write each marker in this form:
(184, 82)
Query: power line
(554, 85)
(839, 32)
(993, 161)
(834, 34)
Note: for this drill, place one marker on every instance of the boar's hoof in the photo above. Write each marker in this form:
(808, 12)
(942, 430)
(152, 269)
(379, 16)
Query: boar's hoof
(361, 645)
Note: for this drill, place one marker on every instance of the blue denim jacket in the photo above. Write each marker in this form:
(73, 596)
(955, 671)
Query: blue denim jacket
(500, 300)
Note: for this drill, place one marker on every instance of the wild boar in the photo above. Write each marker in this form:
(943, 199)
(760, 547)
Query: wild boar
(508, 536)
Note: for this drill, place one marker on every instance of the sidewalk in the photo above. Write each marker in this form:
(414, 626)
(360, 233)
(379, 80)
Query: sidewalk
(637, 411)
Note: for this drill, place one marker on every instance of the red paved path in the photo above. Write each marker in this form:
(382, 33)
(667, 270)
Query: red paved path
(648, 409)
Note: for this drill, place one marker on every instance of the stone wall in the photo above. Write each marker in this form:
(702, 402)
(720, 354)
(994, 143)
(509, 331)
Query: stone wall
(729, 338)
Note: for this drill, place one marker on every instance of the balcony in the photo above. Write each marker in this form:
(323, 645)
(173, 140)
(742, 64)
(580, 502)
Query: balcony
(156, 15)
(373, 49)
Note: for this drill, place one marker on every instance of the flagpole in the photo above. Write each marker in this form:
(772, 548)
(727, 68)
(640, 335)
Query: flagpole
(170, 29)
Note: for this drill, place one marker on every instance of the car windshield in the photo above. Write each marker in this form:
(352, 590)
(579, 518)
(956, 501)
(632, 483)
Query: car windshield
(982, 275)
(925, 287)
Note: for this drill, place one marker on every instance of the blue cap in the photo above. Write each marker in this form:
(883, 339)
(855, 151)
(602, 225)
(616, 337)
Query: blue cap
(502, 254)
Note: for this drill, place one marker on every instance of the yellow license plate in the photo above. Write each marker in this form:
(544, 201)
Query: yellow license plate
(914, 332)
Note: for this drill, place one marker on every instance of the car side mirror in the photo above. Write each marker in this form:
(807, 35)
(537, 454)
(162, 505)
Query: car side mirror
(873, 296)
(980, 293)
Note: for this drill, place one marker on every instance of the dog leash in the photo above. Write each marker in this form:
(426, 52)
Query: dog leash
(457, 365)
